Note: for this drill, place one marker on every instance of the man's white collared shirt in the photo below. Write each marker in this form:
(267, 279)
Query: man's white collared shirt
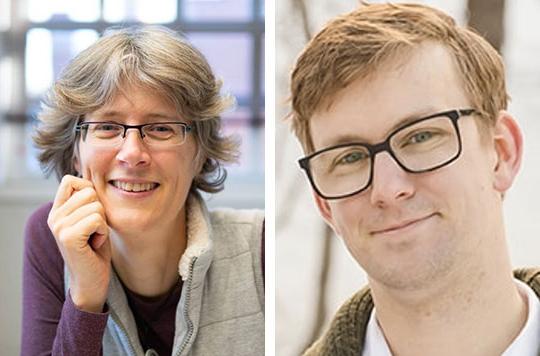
(526, 343)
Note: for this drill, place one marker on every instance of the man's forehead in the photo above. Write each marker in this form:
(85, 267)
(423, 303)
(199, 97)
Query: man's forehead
(424, 82)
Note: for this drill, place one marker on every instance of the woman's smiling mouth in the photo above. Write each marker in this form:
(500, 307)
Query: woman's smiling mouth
(133, 188)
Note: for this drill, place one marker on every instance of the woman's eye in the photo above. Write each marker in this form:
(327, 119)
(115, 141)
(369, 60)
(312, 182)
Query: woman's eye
(161, 128)
(106, 127)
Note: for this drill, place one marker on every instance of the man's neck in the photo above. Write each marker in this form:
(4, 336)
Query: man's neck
(478, 313)
(147, 262)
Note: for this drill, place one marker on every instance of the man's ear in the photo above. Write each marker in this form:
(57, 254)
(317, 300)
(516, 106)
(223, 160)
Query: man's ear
(326, 211)
(508, 143)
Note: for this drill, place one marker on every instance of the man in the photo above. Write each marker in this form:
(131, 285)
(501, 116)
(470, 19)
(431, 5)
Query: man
(409, 153)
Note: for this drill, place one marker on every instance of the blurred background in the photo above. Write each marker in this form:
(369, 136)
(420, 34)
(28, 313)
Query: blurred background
(314, 272)
(38, 37)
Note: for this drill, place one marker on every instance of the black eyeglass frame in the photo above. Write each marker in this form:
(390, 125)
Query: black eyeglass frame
(83, 126)
(384, 146)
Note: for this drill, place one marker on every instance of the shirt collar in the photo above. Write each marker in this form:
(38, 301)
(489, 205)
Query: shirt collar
(528, 339)
(525, 344)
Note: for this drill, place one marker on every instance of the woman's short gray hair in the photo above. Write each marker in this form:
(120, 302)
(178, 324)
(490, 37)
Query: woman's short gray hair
(152, 57)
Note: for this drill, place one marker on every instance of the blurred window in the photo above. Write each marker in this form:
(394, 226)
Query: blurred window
(218, 10)
(229, 54)
(44, 11)
(155, 11)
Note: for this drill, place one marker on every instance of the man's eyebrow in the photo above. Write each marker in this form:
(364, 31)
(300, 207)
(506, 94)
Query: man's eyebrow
(343, 139)
(355, 138)
(405, 121)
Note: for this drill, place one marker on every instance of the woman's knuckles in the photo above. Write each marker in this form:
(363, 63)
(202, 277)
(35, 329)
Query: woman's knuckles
(88, 194)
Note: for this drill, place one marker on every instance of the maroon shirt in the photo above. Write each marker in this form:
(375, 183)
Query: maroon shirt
(51, 323)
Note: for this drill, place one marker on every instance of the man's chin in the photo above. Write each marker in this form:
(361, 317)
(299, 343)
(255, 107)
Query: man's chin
(412, 273)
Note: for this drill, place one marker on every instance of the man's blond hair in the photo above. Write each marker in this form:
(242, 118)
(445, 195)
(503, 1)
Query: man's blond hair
(355, 45)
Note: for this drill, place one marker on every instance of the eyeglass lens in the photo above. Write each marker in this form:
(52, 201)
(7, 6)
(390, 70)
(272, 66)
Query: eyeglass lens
(111, 134)
(420, 147)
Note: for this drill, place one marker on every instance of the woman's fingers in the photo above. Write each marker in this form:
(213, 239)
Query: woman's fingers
(78, 222)
(67, 186)
(77, 235)
(97, 240)
(79, 212)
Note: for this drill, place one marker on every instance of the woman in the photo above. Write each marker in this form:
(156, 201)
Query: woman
(127, 260)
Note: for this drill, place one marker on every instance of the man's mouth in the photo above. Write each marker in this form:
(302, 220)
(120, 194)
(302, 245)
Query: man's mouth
(402, 225)
(134, 187)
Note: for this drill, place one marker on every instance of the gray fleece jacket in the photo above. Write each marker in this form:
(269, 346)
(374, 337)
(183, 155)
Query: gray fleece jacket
(221, 308)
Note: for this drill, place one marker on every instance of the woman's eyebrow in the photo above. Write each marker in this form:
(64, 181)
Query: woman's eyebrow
(162, 116)
(107, 114)
(118, 114)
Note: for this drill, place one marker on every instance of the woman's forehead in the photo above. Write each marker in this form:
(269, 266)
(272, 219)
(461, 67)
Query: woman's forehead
(148, 101)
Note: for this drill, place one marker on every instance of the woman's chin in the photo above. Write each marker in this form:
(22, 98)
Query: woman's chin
(129, 222)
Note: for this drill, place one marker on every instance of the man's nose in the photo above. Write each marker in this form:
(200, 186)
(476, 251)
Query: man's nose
(390, 183)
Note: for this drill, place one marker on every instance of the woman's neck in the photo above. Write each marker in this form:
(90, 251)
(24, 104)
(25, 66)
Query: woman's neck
(147, 261)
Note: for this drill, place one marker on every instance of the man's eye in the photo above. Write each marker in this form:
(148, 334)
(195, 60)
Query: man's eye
(420, 137)
(352, 157)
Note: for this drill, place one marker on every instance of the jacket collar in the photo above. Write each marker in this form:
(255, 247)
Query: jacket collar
(346, 334)
(198, 234)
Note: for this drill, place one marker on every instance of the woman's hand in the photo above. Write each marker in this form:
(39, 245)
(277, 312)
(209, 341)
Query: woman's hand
(77, 221)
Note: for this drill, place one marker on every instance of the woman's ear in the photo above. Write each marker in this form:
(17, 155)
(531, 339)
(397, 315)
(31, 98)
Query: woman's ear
(77, 161)
(201, 160)
(508, 143)
(77, 166)
(200, 157)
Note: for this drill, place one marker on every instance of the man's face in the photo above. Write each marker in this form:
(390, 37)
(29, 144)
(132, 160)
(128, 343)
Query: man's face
(407, 229)
(163, 175)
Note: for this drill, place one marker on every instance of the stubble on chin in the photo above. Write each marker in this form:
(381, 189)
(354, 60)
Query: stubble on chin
(409, 268)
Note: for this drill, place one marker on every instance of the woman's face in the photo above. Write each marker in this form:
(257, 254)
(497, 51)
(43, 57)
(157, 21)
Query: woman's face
(141, 187)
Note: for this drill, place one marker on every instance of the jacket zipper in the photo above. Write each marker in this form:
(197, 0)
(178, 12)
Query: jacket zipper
(186, 316)
(117, 321)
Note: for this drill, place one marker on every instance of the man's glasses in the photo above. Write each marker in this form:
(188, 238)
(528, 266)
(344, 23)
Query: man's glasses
(110, 134)
(420, 146)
